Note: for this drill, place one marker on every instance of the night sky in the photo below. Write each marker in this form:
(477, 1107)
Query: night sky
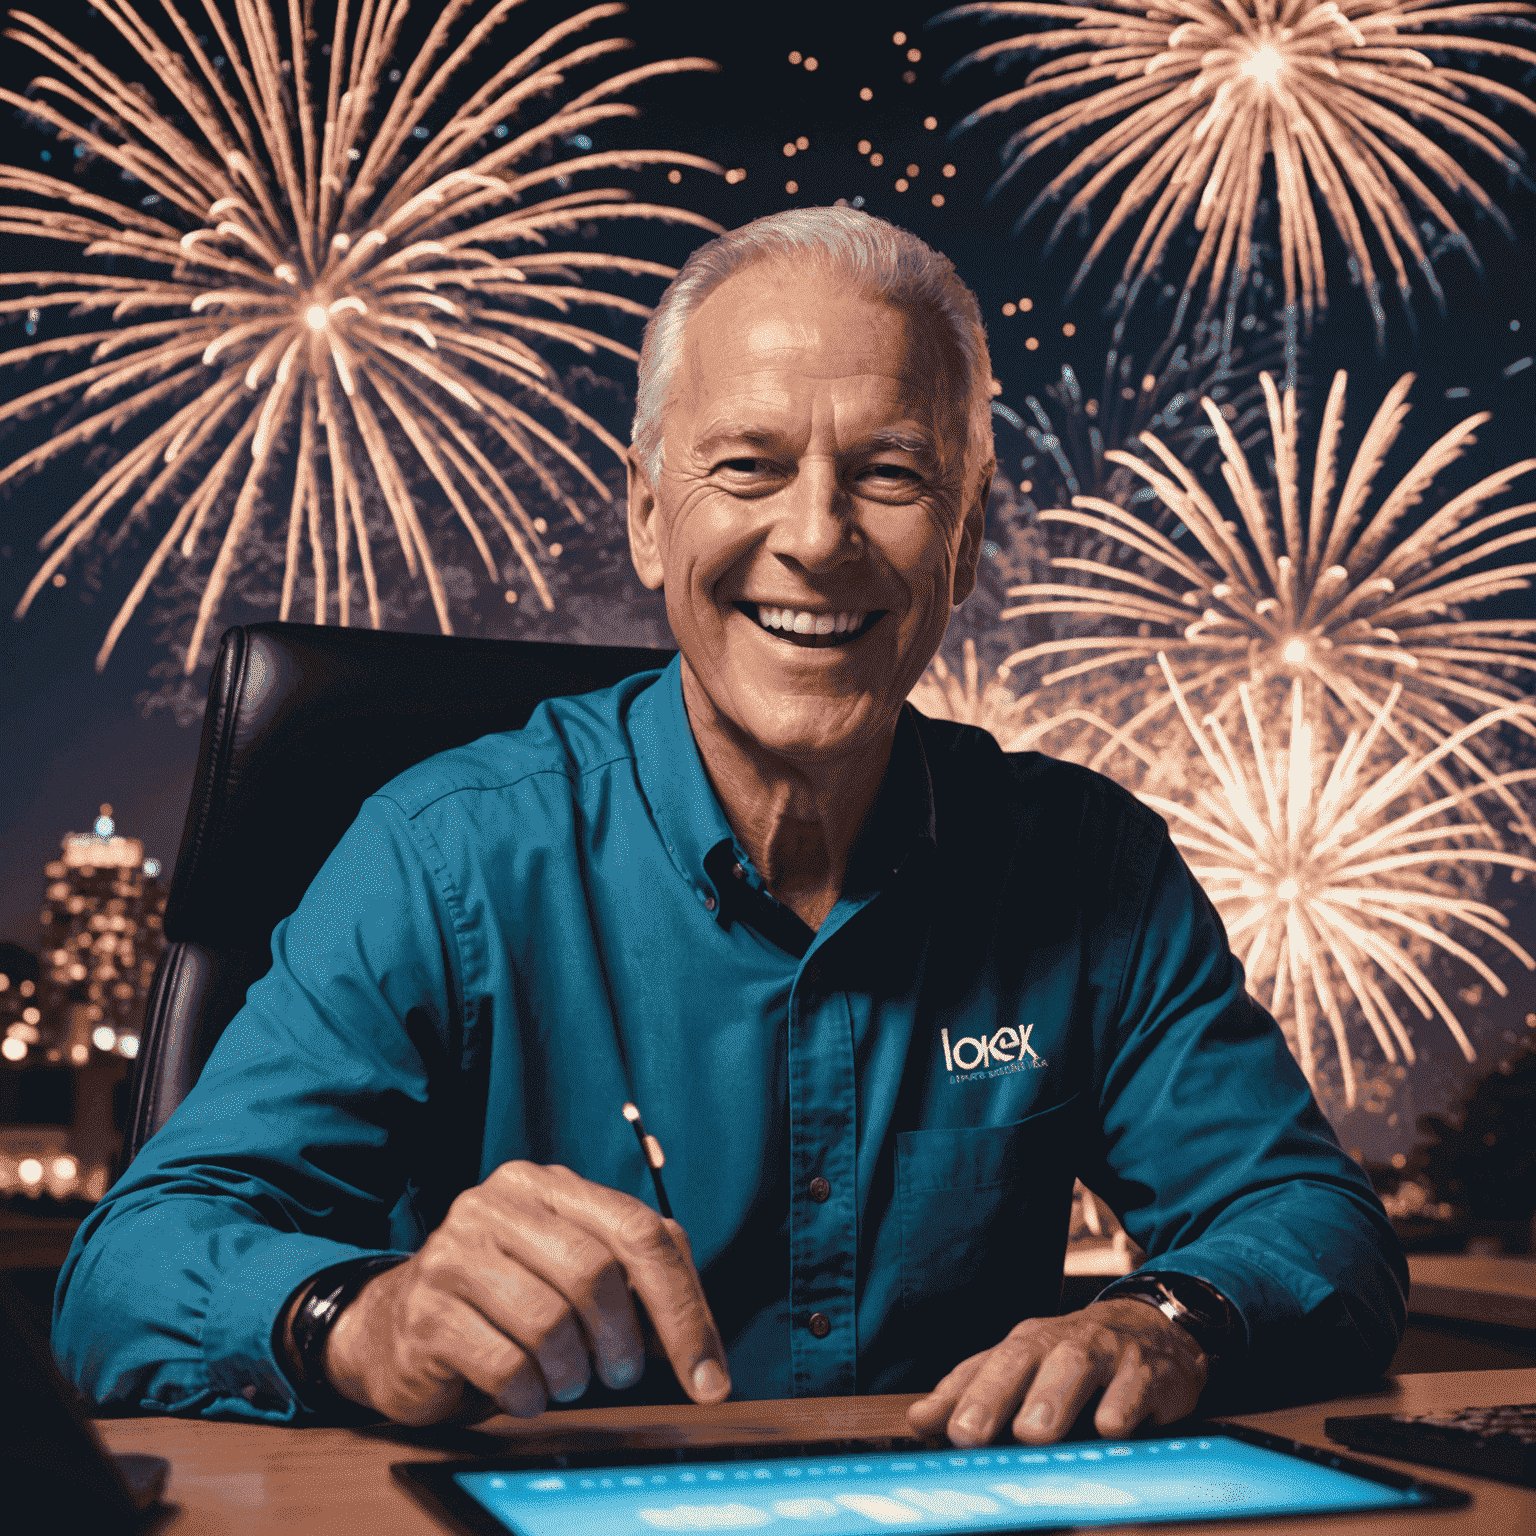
(74, 739)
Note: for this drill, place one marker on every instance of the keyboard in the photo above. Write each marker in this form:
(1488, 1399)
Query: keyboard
(1491, 1442)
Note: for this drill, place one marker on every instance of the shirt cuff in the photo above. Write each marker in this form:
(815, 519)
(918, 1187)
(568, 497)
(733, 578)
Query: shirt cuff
(243, 1313)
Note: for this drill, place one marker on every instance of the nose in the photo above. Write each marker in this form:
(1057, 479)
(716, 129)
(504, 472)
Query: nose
(817, 528)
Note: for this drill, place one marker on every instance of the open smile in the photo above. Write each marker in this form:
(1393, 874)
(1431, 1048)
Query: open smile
(812, 631)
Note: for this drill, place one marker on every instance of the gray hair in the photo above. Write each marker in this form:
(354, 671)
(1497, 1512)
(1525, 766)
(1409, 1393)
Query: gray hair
(884, 262)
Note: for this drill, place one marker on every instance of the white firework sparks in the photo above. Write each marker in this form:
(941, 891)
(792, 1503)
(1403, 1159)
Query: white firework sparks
(1190, 98)
(1336, 597)
(335, 294)
(1320, 875)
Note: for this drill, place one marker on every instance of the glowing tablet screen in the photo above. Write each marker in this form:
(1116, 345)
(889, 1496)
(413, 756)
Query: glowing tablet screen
(932, 1493)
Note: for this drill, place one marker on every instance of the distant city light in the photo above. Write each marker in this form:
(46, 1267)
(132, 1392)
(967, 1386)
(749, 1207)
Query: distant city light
(29, 1171)
(151, 868)
(13, 1049)
(79, 1054)
(105, 826)
(128, 1045)
(103, 1038)
(65, 1169)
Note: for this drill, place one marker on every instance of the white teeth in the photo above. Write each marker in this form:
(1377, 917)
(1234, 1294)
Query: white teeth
(809, 623)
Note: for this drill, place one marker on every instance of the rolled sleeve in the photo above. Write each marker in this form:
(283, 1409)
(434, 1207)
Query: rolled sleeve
(1221, 1164)
(289, 1154)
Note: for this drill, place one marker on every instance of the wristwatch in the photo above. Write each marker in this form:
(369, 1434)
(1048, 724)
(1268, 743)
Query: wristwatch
(1195, 1305)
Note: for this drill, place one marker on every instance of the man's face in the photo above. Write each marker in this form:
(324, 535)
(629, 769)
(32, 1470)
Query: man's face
(813, 471)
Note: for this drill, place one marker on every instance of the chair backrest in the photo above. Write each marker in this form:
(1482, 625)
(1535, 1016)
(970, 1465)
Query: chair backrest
(303, 724)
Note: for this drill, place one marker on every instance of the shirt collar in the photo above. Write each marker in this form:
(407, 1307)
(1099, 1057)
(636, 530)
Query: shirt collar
(693, 825)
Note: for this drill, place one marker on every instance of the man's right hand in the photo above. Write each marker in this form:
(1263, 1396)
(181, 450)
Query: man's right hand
(518, 1297)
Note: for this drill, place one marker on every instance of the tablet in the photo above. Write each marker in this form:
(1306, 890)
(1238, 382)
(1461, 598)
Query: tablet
(1222, 1472)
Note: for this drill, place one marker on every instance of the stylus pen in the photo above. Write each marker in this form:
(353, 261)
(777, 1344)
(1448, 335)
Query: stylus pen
(650, 1149)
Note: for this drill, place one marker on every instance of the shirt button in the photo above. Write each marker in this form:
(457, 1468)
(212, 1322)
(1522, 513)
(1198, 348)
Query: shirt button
(709, 903)
(819, 1324)
(820, 1191)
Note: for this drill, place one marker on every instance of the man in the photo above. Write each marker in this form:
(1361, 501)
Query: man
(880, 990)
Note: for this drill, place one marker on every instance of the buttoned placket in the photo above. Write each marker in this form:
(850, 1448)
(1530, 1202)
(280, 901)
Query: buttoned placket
(823, 1220)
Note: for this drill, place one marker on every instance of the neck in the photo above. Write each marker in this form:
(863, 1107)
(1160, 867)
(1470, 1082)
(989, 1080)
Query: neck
(797, 821)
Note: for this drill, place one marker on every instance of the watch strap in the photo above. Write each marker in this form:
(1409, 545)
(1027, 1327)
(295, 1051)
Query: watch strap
(1195, 1305)
(325, 1298)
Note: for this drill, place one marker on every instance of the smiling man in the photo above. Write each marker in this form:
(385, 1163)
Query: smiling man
(881, 989)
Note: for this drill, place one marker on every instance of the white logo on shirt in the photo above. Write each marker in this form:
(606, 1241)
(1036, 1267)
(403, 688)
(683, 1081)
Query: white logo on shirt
(1007, 1047)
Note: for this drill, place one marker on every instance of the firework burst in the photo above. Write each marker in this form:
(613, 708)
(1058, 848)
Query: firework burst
(1337, 598)
(1189, 101)
(1319, 872)
(335, 295)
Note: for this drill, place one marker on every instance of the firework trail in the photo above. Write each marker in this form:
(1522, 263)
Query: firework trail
(1343, 600)
(1320, 874)
(1189, 101)
(335, 295)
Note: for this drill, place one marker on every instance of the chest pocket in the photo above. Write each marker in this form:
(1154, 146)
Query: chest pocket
(983, 1230)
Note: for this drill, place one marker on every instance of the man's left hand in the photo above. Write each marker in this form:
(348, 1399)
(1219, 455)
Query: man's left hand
(1046, 1371)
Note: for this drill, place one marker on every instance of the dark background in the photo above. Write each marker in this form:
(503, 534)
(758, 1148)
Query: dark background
(74, 738)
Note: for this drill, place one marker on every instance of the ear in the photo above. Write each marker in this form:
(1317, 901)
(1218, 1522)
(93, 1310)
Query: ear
(646, 534)
(972, 531)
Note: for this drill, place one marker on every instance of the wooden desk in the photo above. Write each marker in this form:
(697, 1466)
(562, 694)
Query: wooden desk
(1473, 1288)
(250, 1480)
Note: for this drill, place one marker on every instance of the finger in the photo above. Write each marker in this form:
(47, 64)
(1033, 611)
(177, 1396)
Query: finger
(927, 1413)
(1127, 1399)
(996, 1389)
(1068, 1376)
(656, 1258)
(569, 1261)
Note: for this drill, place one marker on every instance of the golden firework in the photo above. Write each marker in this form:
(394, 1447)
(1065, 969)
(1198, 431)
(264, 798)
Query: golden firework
(1338, 597)
(1324, 871)
(1188, 100)
(320, 290)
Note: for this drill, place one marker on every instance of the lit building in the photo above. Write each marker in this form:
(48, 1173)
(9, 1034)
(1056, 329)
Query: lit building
(68, 1038)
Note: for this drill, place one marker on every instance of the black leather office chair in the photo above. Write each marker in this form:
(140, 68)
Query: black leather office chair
(303, 724)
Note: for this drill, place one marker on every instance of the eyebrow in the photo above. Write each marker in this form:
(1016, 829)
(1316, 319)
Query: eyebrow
(918, 443)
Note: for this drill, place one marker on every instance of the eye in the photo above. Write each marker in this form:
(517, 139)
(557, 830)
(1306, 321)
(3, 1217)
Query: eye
(743, 466)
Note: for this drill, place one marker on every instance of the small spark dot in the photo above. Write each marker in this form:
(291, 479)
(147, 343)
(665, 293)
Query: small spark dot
(902, 183)
(735, 175)
(802, 142)
(877, 159)
(1025, 305)
(912, 170)
(864, 146)
(865, 94)
(510, 595)
(1287, 890)
(674, 177)
(949, 170)
(1069, 329)
(791, 187)
(540, 526)
(1148, 383)
(1399, 1160)
(315, 316)
(937, 199)
(1127, 393)
(930, 123)
(1031, 343)
(789, 149)
(1295, 653)
(1025, 487)
(59, 578)
(1514, 325)
(556, 550)
(898, 38)
(812, 64)
(796, 56)
(1010, 309)
(1264, 64)
(909, 77)
(913, 55)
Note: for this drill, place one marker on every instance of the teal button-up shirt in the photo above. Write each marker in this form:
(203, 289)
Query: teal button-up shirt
(1020, 983)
